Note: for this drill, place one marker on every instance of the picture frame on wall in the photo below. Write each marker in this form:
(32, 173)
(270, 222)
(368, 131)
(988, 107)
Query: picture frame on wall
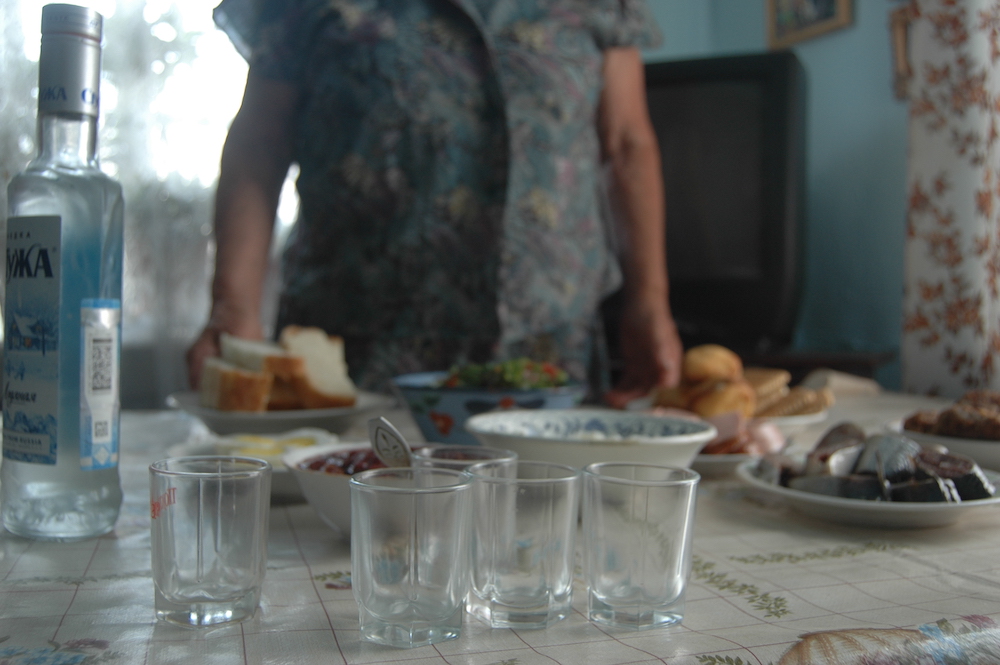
(793, 21)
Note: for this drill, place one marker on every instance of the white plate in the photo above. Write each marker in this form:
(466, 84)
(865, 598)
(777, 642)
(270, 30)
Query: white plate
(284, 487)
(337, 421)
(985, 452)
(858, 512)
(714, 466)
(794, 424)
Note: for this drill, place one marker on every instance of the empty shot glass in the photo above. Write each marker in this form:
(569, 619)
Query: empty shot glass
(410, 554)
(523, 535)
(637, 523)
(459, 458)
(208, 537)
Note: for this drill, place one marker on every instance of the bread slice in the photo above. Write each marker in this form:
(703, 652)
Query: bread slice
(260, 356)
(226, 387)
(325, 382)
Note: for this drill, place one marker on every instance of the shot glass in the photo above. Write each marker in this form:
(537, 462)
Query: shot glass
(410, 554)
(637, 522)
(523, 537)
(208, 537)
(459, 458)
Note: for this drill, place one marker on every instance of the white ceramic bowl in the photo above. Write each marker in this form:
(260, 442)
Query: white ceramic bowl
(581, 436)
(329, 494)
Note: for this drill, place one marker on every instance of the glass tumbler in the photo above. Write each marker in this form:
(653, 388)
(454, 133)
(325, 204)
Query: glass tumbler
(410, 554)
(459, 458)
(208, 538)
(637, 523)
(523, 534)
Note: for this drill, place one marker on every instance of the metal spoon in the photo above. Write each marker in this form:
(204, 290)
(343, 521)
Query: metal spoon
(388, 444)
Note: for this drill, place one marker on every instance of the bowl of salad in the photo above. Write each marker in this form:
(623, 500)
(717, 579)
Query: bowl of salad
(441, 402)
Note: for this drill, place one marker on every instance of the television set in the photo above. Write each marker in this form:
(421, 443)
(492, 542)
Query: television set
(731, 133)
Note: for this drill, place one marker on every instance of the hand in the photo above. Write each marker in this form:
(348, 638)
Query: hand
(207, 344)
(651, 351)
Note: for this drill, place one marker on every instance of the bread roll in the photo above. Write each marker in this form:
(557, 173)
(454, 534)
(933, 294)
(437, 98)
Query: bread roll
(711, 362)
(726, 396)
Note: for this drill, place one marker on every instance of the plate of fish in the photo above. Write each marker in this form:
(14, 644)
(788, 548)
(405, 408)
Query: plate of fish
(714, 466)
(883, 480)
(986, 453)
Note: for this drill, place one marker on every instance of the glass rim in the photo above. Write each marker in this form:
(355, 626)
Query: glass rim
(503, 453)
(360, 480)
(572, 474)
(593, 470)
(258, 467)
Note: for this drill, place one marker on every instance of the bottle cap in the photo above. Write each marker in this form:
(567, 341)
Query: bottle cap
(69, 68)
(71, 20)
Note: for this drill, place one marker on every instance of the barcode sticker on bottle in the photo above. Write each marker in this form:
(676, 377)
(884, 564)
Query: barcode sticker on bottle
(99, 404)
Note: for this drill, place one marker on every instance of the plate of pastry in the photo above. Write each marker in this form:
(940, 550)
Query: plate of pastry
(969, 426)
(261, 387)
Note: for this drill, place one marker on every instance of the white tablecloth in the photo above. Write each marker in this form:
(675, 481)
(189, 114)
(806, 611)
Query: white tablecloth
(764, 576)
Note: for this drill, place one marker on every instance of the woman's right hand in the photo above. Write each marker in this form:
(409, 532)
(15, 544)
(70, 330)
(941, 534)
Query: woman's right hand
(207, 345)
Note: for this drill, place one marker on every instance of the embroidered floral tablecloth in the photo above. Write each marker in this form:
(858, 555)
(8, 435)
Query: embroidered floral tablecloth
(768, 586)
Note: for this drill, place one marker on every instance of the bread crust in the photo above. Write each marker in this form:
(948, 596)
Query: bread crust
(230, 388)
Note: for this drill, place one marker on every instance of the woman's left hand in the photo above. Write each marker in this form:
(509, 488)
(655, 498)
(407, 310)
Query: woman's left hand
(651, 352)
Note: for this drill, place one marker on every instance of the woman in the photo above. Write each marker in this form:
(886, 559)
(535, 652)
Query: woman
(450, 156)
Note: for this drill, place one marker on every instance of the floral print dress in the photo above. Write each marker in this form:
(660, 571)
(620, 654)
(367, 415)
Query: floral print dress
(450, 173)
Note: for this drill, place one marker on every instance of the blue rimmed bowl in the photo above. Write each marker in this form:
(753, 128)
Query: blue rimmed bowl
(441, 413)
(582, 436)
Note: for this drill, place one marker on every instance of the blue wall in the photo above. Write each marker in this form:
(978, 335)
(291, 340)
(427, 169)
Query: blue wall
(856, 165)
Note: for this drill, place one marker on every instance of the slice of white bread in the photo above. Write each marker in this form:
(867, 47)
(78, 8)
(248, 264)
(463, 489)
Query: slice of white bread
(226, 387)
(325, 382)
(260, 356)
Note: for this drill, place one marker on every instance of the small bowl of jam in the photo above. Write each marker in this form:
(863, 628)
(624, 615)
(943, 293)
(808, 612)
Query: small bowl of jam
(324, 473)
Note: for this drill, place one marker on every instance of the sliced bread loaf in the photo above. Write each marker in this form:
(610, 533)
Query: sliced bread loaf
(260, 356)
(226, 387)
(325, 382)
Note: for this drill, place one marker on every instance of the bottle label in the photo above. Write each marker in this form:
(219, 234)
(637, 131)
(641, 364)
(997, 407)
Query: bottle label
(100, 338)
(31, 339)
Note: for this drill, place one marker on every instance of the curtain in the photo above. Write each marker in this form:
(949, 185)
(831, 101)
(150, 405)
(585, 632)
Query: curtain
(951, 304)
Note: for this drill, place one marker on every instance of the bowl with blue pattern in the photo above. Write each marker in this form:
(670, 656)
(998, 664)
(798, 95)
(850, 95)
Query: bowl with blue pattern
(579, 437)
(441, 412)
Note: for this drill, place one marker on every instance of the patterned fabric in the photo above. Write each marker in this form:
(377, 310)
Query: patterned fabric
(951, 335)
(450, 170)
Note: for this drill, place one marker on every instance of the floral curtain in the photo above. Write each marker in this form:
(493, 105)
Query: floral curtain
(951, 306)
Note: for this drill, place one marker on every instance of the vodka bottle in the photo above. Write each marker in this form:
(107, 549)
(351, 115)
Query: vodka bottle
(62, 306)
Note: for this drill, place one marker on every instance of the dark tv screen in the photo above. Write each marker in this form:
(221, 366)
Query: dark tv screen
(731, 134)
(710, 140)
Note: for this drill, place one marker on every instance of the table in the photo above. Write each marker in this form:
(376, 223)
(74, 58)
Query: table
(763, 578)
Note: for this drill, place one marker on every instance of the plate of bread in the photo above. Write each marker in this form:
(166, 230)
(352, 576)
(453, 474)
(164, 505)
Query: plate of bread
(754, 409)
(261, 387)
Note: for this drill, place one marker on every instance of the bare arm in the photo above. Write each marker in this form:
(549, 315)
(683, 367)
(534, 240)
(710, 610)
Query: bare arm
(255, 160)
(651, 348)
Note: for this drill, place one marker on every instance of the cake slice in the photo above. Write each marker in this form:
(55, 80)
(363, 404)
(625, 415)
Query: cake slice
(227, 387)
(325, 382)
